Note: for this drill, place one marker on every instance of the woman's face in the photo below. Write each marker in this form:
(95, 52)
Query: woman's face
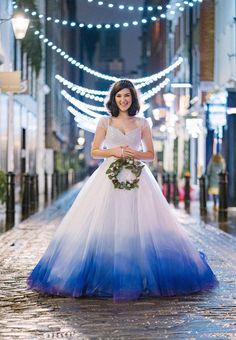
(123, 100)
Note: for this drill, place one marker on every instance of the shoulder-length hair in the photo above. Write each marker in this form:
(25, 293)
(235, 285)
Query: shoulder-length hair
(111, 103)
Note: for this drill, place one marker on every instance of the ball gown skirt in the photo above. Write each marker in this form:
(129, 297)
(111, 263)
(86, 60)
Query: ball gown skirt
(121, 244)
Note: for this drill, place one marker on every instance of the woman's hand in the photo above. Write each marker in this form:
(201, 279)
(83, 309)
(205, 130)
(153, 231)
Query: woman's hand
(130, 153)
(119, 151)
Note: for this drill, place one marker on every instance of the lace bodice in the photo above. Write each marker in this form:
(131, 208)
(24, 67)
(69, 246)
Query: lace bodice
(115, 137)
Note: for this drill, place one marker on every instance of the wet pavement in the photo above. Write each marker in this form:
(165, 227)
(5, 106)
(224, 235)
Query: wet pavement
(212, 217)
(25, 314)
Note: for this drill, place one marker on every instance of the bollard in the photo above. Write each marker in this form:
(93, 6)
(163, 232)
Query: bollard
(67, 180)
(64, 181)
(32, 194)
(175, 191)
(54, 186)
(202, 195)
(57, 181)
(26, 196)
(70, 177)
(223, 202)
(61, 182)
(10, 200)
(45, 187)
(37, 190)
(73, 177)
(187, 192)
(168, 188)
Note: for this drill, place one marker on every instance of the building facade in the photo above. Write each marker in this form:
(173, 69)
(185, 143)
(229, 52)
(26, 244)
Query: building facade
(19, 111)
(61, 130)
(37, 133)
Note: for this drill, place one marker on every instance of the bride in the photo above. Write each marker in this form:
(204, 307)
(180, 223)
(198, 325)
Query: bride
(119, 239)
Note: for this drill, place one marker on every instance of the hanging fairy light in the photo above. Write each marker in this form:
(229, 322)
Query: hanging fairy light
(103, 75)
(89, 109)
(73, 87)
(84, 122)
(131, 8)
(86, 108)
(90, 93)
(85, 114)
(77, 88)
(161, 14)
(152, 92)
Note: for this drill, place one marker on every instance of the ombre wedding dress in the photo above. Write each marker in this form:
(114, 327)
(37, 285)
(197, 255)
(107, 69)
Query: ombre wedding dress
(119, 243)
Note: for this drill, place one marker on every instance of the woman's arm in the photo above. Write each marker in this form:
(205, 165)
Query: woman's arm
(148, 153)
(98, 152)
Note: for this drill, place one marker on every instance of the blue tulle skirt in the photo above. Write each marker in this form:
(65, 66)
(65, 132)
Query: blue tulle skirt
(121, 244)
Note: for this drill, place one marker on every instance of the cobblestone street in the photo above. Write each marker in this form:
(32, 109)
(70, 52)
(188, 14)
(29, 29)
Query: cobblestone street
(25, 314)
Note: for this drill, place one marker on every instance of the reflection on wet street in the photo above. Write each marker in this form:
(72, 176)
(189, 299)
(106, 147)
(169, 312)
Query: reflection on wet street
(228, 226)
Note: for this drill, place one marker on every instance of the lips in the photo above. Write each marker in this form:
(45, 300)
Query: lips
(124, 105)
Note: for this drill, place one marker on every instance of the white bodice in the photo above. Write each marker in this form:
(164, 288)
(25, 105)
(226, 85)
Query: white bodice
(115, 137)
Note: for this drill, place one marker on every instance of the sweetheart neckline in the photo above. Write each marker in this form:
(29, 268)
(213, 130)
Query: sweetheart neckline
(124, 134)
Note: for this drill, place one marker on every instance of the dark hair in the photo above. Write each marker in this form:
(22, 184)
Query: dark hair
(111, 103)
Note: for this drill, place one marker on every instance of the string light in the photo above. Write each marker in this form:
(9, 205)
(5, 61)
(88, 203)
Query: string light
(178, 6)
(89, 109)
(148, 8)
(82, 91)
(103, 75)
(155, 90)
(87, 118)
(84, 122)
(94, 94)
(88, 92)
(86, 108)
(86, 115)
(98, 26)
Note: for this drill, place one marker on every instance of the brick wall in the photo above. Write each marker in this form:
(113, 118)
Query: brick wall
(207, 40)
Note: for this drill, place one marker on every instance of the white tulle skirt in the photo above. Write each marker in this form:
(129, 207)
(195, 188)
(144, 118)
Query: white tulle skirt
(121, 244)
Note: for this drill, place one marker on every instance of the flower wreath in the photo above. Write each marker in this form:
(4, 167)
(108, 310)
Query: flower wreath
(127, 163)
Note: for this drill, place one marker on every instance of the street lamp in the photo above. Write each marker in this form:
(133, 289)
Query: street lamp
(20, 24)
(169, 98)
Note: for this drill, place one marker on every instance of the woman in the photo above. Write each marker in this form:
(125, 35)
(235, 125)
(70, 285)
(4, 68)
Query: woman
(119, 239)
(215, 166)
